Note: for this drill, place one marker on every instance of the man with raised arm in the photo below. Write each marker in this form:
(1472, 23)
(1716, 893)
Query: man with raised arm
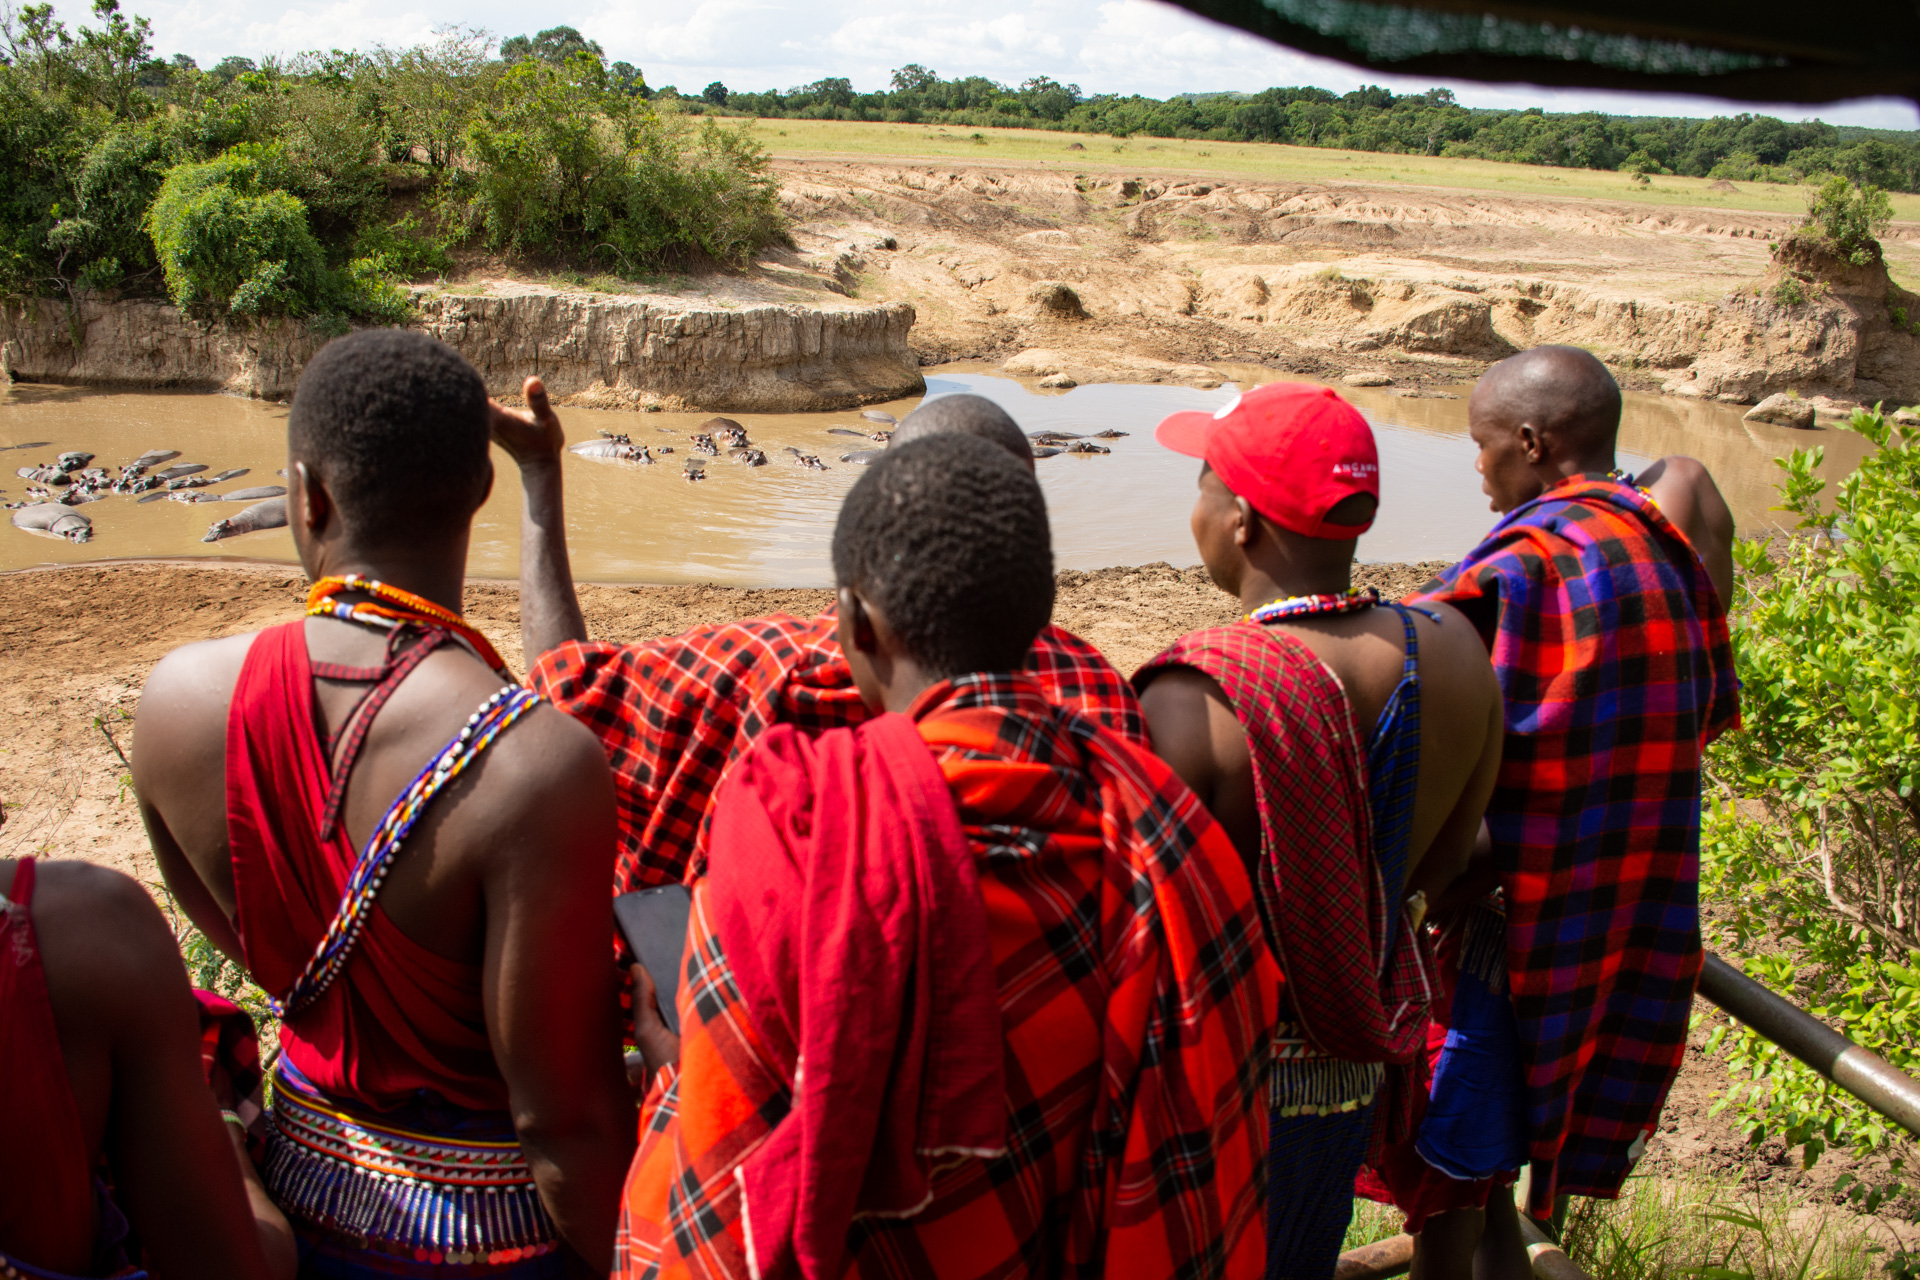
(1609, 637)
(974, 989)
(674, 713)
(102, 1070)
(1348, 747)
(409, 852)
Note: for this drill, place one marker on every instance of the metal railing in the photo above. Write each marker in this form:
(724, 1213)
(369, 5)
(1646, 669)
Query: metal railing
(1859, 1070)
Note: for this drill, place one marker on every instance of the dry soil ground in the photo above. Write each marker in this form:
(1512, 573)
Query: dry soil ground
(1086, 259)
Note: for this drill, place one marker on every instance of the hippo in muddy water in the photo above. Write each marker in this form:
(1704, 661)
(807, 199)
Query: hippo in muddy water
(725, 429)
(53, 520)
(862, 456)
(44, 475)
(752, 457)
(811, 461)
(703, 443)
(178, 470)
(612, 449)
(271, 514)
(879, 415)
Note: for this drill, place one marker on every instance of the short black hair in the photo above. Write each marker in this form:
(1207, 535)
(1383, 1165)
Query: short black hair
(948, 535)
(397, 422)
(966, 415)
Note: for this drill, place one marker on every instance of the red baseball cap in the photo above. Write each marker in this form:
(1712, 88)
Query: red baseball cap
(1292, 449)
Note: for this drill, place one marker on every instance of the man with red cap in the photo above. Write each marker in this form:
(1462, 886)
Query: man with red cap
(1348, 748)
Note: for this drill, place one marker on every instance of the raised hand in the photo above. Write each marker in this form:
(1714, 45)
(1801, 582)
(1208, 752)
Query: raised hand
(531, 437)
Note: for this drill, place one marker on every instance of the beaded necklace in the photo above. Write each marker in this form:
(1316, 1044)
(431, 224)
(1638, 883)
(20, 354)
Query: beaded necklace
(376, 859)
(1329, 602)
(403, 607)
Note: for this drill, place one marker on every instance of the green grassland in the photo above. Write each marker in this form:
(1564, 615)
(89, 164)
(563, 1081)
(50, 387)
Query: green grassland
(1263, 162)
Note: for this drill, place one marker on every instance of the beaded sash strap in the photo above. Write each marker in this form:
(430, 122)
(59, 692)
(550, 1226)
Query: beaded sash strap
(423, 1197)
(376, 859)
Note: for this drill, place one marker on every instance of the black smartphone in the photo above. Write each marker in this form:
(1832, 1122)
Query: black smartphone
(654, 923)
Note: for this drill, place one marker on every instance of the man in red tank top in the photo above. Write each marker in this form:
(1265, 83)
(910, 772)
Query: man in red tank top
(673, 714)
(415, 872)
(100, 1074)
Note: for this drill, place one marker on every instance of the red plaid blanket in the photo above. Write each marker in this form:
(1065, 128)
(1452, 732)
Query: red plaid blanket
(1319, 883)
(1135, 997)
(674, 714)
(1612, 650)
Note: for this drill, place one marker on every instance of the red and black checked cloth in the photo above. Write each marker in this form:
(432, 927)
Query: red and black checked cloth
(1358, 996)
(1136, 1001)
(673, 714)
(1612, 651)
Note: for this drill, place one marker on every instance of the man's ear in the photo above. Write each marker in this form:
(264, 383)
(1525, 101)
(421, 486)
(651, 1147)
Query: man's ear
(318, 502)
(859, 621)
(1249, 526)
(1532, 443)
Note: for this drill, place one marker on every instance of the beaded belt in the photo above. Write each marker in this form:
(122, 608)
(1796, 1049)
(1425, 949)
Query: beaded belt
(1306, 1082)
(425, 1197)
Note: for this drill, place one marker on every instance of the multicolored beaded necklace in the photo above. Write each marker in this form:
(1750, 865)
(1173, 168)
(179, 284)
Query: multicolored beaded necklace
(402, 608)
(376, 859)
(1328, 602)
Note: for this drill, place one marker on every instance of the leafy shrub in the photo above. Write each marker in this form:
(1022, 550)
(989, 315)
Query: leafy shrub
(1788, 293)
(565, 163)
(1849, 218)
(230, 239)
(1812, 839)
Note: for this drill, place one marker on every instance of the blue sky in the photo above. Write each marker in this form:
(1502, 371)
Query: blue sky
(1105, 46)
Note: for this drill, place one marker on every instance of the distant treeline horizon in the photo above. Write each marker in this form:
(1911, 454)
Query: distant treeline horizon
(1744, 147)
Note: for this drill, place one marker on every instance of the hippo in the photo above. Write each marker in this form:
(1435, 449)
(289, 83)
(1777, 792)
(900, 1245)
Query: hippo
(179, 469)
(703, 443)
(862, 456)
(31, 444)
(694, 471)
(136, 484)
(752, 457)
(726, 428)
(1047, 451)
(1082, 446)
(73, 461)
(612, 449)
(1110, 434)
(1053, 437)
(879, 415)
(253, 494)
(44, 475)
(811, 461)
(147, 461)
(53, 520)
(271, 514)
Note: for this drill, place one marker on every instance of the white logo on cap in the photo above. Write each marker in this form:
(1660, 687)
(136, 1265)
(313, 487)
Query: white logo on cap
(1357, 470)
(1227, 408)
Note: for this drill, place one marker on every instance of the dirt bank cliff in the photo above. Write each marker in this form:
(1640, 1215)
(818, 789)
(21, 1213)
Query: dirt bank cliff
(592, 349)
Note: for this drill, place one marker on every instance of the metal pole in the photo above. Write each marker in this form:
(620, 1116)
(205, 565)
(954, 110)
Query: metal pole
(1861, 1072)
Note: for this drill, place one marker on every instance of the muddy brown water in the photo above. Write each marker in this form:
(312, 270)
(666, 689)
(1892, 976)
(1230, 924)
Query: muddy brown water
(771, 525)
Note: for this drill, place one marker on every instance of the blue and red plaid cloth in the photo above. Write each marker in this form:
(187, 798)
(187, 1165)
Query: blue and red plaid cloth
(1612, 651)
(674, 713)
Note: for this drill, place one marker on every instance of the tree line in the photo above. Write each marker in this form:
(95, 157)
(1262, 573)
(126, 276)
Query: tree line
(318, 185)
(1742, 147)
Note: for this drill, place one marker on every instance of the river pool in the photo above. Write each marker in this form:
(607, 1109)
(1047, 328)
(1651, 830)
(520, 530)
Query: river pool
(771, 525)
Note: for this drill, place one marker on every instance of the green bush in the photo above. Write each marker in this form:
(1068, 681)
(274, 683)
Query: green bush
(1811, 849)
(1849, 218)
(564, 163)
(229, 238)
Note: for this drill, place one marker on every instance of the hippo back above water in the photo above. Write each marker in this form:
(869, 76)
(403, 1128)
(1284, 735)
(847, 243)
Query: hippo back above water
(271, 514)
(54, 520)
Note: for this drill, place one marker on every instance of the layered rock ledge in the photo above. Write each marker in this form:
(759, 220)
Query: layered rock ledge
(592, 350)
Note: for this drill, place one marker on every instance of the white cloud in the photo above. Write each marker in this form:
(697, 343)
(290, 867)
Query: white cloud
(1105, 46)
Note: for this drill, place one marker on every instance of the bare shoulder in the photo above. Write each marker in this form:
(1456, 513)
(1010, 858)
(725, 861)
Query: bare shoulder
(1451, 649)
(105, 941)
(547, 761)
(198, 677)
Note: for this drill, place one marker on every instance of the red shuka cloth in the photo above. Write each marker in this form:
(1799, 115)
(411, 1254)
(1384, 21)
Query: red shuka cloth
(859, 941)
(673, 715)
(399, 1018)
(46, 1184)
